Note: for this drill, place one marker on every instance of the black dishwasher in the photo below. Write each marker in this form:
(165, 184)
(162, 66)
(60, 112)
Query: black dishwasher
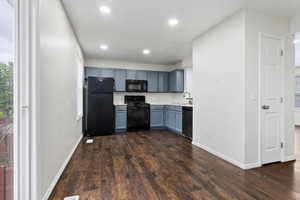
(187, 122)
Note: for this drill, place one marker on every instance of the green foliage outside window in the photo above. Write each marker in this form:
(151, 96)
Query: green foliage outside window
(6, 90)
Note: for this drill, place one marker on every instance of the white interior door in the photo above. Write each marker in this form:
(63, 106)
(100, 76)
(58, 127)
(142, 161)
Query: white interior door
(271, 98)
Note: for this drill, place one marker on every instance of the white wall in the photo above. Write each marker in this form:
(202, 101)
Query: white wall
(295, 24)
(188, 80)
(255, 23)
(219, 92)
(226, 67)
(60, 55)
(188, 62)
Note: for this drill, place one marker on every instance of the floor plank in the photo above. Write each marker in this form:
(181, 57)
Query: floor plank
(163, 165)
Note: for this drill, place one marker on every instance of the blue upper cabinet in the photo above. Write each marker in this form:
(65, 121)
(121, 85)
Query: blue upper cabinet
(163, 81)
(107, 73)
(157, 81)
(152, 78)
(120, 80)
(179, 81)
(172, 80)
(176, 81)
(141, 75)
(99, 72)
(92, 71)
(131, 74)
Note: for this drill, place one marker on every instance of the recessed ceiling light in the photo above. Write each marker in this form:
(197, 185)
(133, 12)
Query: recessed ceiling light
(103, 47)
(296, 41)
(146, 51)
(173, 22)
(105, 9)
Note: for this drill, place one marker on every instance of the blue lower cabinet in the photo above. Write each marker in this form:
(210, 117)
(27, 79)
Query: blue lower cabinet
(157, 119)
(174, 118)
(169, 117)
(121, 118)
(178, 125)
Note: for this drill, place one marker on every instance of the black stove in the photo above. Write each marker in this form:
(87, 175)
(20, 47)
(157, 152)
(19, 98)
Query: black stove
(138, 113)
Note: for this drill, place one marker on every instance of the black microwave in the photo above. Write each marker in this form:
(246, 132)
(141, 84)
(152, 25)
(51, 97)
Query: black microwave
(136, 86)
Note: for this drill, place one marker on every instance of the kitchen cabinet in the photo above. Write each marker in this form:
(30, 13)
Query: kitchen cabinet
(174, 118)
(106, 73)
(171, 119)
(92, 71)
(176, 81)
(99, 72)
(157, 116)
(120, 118)
(152, 78)
(158, 82)
(172, 81)
(163, 82)
(161, 116)
(141, 75)
(120, 80)
(178, 119)
(131, 74)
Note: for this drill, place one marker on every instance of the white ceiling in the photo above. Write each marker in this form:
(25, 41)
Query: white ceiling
(137, 24)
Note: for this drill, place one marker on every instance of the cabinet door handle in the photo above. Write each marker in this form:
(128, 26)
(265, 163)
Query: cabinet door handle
(265, 107)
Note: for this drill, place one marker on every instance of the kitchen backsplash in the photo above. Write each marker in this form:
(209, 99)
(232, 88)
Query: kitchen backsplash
(153, 98)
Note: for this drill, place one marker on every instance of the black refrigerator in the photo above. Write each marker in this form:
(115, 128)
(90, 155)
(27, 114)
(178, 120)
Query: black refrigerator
(99, 108)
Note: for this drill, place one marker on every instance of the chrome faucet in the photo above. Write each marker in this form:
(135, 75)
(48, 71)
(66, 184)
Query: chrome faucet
(188, 97)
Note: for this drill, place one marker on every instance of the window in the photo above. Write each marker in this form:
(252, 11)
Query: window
(6, 98)
(80, 88)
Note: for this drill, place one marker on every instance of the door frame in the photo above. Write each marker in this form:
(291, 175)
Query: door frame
(282, 138)
(26, 124)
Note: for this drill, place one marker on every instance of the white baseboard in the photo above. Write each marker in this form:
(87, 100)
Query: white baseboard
(60, 171)
(252, 165)
(220, 155)
(289, 158)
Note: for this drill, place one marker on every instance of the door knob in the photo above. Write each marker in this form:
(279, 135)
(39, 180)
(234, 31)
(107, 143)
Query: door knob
(265, 107)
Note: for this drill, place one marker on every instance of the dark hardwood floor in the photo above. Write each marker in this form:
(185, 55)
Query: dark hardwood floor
(161, 165)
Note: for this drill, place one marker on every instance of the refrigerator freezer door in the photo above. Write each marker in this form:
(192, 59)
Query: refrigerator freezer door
(100, 85)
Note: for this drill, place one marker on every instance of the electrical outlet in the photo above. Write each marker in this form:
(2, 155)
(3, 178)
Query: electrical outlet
(89, 141)
(72, 198)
